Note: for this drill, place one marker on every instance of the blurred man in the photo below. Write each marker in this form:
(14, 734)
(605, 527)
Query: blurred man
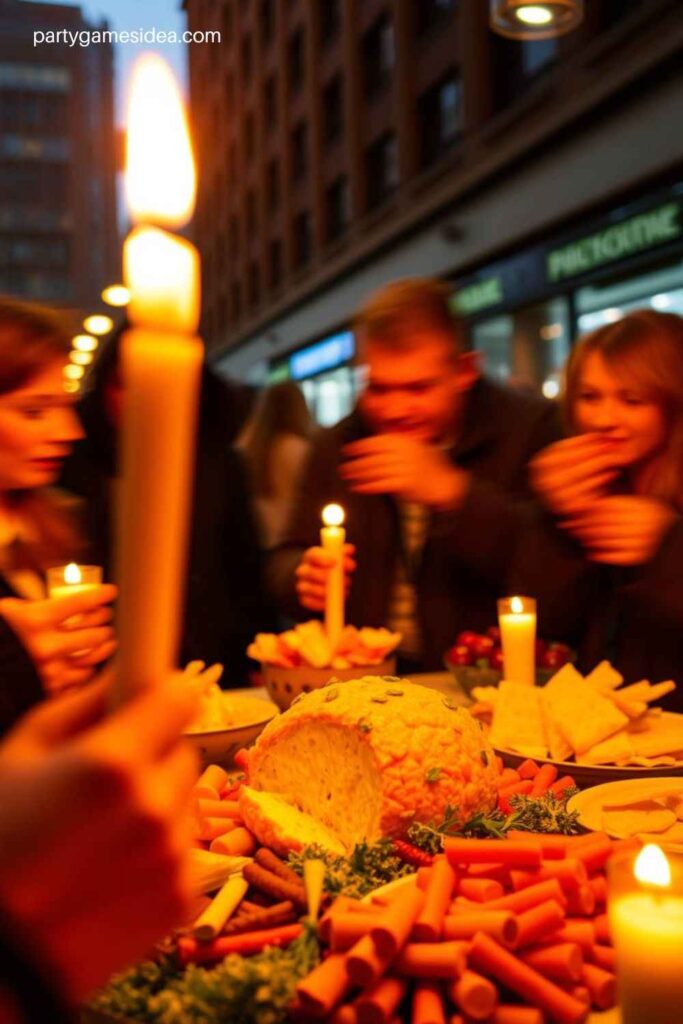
(431, 470)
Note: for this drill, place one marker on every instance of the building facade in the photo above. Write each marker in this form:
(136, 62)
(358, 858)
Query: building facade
(343, 144)
(58, 227)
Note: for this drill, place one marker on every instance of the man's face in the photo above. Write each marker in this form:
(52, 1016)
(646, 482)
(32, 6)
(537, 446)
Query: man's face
(418, 391)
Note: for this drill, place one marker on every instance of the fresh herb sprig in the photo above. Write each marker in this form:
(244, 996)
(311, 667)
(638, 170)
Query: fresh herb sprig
(366, 868)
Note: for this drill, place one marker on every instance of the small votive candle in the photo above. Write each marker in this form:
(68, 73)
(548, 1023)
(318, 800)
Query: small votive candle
(517, 622)
(645, 906)
(72, 579)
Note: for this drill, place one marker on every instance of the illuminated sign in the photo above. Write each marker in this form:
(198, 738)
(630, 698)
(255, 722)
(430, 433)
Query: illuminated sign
(323, 355)
(480, 295)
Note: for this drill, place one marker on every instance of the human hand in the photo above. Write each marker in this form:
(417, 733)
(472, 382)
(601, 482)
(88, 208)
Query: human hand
(311, 575)
(570, 475)
(406, 467)
(66, 637)
(93, 829)
(622, 529)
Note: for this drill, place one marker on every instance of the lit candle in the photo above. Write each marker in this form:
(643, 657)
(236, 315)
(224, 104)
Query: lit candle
(646, 921)
(72, 579)
(517, 621)
(332, 537)
(161, 363)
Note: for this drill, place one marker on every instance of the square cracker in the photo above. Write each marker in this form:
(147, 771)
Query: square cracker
(517, 722)
(660, 734)
(560, 749)
(581, 713)
(604, 677)
(616, 749)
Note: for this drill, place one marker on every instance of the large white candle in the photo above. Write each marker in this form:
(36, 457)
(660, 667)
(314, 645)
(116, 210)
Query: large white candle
(332, 537)
(646, 921)
(517, 621)
(161, 363)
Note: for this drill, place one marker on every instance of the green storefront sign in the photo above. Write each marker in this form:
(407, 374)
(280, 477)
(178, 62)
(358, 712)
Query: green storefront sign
(618, 241)
(480, 295)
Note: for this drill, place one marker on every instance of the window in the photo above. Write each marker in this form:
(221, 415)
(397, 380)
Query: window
(249, 136)
(35, 77)
(270, 101)
(299, 151)
(378, 54)
(27, 252)
(267, 21)
(333, 109)
(337, 206)
(382, 169)
(431, 13)
(275, 262)
(25, 112)
(440, 119)
(303, 238)
(254, 285)
(296, 60)
(330, 19)
(251, 214)
(247, 59)
(273, 186)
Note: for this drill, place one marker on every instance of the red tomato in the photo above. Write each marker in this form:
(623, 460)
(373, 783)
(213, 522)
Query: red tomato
(482, 647)
(496, 659)
(460, 654)
(494, 633)
(554, 658)
(466, 639)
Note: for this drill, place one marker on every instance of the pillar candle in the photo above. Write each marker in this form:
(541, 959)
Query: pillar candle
(517, 621)
(332, 537)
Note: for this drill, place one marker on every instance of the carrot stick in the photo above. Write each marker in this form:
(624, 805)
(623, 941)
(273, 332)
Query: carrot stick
(501, 924)
(423, 875)
(431, 960)
(537, 922)
(239, 842)
(575, 930)
(594, 855)
(364, 963)
(481, 890)
(525, 853)
(570, 873)
(499, 763)
(529, 897)
(191, 951)
(603, 956)
(218, 808)
(601, 984)
(580, 993)
(599, 887)
(261, 917)
(561, 786)
(326, 985)
(522, 788)
(528, 769)
(561, 962)
(212, 828)
(517, 1015)
(475, 995)
(427, 1005)
(346, 929)
(487, 956)
(602, 933)
(544, 778)
(581, 902)
(553, 847)
(394, 926)
(271, 862)
(210, 782)
(429, 925)
(497, 871)
(378, 1004)
(272, 885)
(455, 1018)
(508, 777)
(344, 1014)
(341, 905)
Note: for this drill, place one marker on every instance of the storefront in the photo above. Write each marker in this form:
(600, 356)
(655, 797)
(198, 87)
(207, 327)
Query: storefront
(325, 372)
(524, 312)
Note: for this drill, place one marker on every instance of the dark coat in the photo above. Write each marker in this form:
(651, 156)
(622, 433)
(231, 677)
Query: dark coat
(20, 684)
(462, 567)
(632, 616)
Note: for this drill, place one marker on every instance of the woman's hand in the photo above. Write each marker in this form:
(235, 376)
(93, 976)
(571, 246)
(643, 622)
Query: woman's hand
(572, 474)
(94, 833)
(622, 529)
(311, 575)
(66, 637)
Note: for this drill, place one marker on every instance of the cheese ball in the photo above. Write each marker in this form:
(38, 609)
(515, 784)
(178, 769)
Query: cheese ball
(368, 757)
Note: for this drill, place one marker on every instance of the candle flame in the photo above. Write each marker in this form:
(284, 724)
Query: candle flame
(516, 605)
(333, 515)
(72, 574)
(160, 173)
(652, 866)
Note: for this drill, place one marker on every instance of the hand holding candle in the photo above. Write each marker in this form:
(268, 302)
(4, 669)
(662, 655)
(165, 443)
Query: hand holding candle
(517, 620)
(72, 579)
(332, 537)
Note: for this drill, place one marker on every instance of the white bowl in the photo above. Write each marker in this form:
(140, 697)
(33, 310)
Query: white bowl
(284, 684)
(219, 746)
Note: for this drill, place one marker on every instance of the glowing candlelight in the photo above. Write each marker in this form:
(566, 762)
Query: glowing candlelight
(332, 537)
(517, 621)
(72, 579)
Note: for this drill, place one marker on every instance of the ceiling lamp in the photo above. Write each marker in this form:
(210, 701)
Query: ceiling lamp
(520, 19)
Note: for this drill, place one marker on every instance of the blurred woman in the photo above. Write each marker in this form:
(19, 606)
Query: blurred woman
(39, 649)
(275, 444)
(610, 577)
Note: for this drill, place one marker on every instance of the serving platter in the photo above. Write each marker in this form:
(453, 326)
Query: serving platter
(590, 804)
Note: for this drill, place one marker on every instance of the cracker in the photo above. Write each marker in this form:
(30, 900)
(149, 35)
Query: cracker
(659, 735)
(629, 821)
(616, 749)
(604, 677)
(582, 714)
(517, 722)
(560, 749)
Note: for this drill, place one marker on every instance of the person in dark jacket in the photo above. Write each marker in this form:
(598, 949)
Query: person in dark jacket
(606, 560)
(224, 604)
(431, 469)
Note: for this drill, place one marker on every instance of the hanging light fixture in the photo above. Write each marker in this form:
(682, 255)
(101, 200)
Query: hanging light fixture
(525, 20)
